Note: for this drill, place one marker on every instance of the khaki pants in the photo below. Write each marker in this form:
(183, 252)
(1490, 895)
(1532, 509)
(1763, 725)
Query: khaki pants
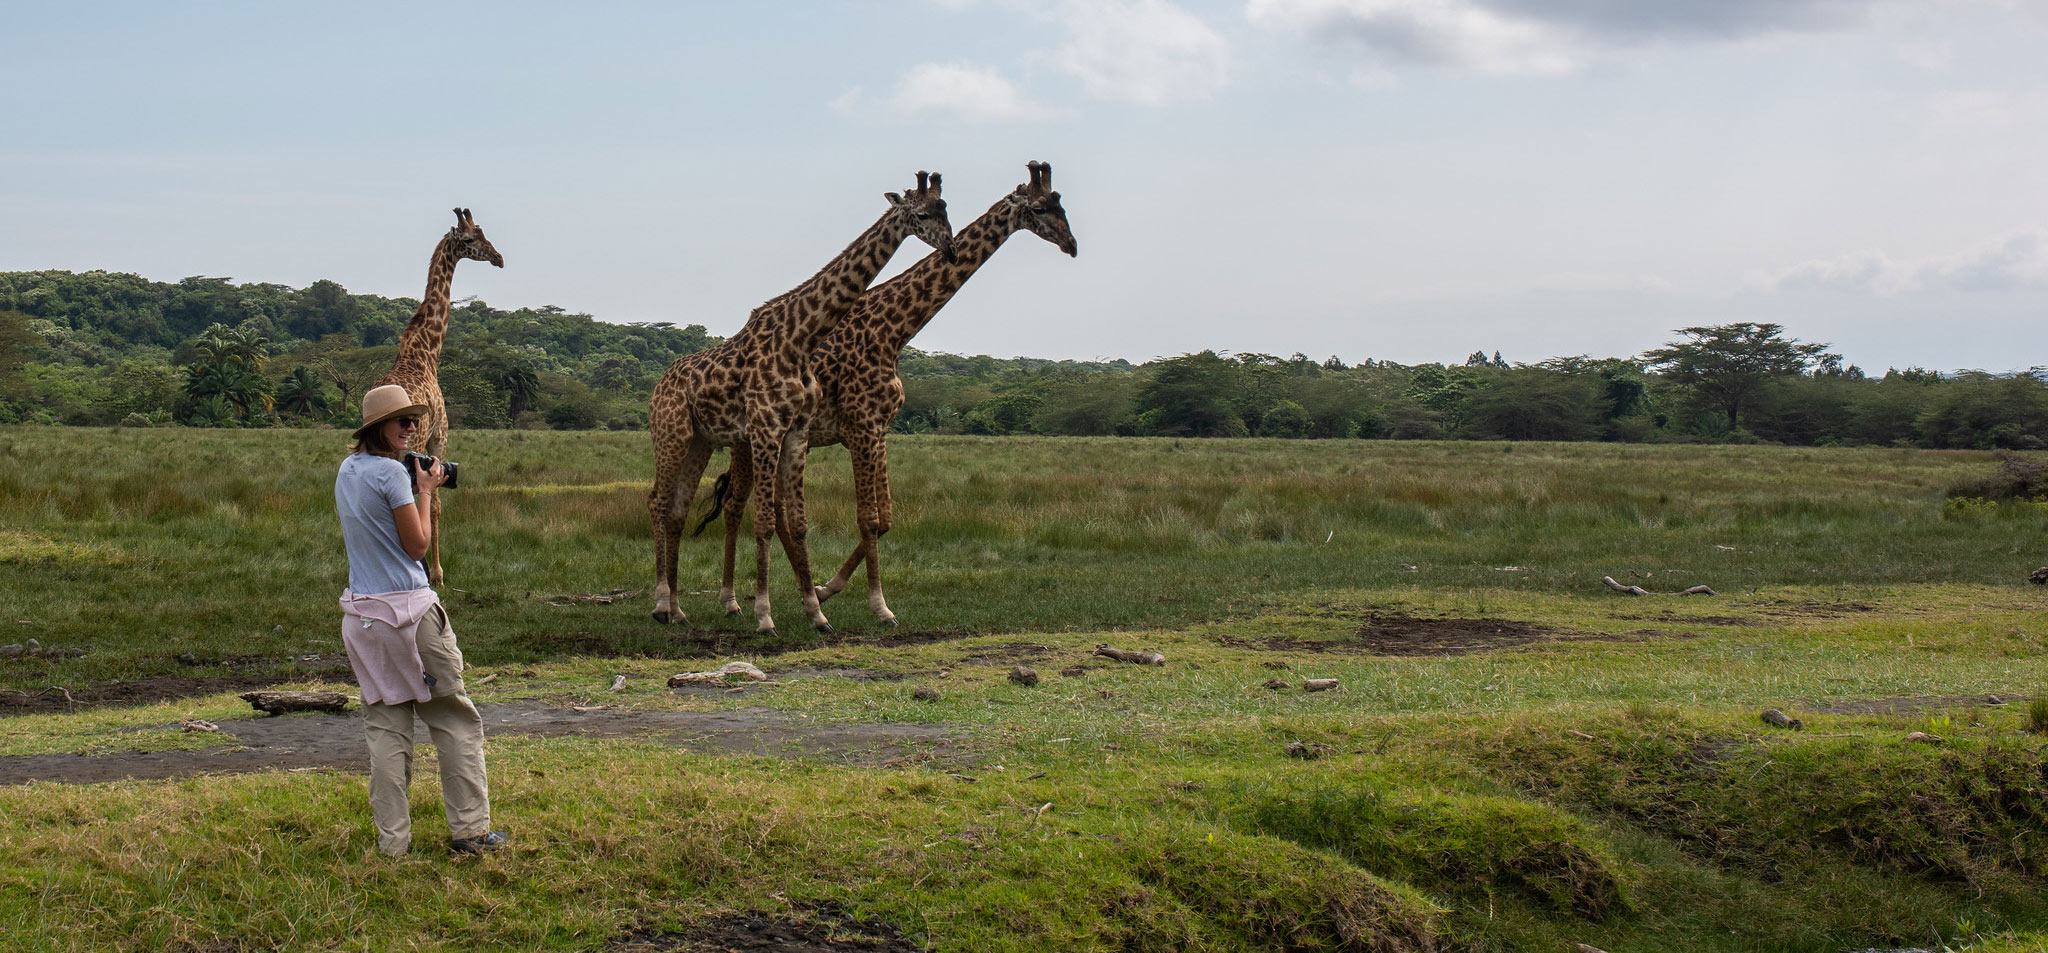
(458, 734)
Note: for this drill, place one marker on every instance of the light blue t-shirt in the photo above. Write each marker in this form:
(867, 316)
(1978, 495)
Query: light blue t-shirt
(366, 490)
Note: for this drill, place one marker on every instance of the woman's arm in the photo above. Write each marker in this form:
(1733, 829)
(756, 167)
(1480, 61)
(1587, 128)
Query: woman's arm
(415, 520)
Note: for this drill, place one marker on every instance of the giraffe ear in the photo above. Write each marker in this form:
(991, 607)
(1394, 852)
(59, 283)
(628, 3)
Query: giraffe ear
(894, 199)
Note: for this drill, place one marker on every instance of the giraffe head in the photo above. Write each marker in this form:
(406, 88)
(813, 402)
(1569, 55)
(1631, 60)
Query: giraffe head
(923, 213)
(1037, 208)
(469, 241)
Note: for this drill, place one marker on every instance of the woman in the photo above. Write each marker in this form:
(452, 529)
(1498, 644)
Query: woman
(399, 640)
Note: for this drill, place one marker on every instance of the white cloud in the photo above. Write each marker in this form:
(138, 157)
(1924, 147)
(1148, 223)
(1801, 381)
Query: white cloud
(961, 91)
(1537, 36)
(1985, 109)
(1148, 52)
(2013, 262)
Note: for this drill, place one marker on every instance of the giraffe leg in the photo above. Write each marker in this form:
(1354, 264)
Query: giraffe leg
(837, 583)
(764, 449)
(794, 527)
(436, 447)
(872, 532)
(739, 488)
(871, 493)
(839, 580)
(678, 467)
(434, 542)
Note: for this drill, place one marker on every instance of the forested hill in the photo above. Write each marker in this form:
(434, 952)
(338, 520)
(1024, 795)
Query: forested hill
(98, 348)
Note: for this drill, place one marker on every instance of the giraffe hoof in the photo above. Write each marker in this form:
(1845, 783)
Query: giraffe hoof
(729, 613)
(890, 622)
(824, 628)
(662, 617)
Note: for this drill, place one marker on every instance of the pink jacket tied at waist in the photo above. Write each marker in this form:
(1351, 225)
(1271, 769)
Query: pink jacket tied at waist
(381, 632)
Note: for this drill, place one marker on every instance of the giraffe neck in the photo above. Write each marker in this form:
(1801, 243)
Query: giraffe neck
(419, 345)
(801, 317)
(899, 308)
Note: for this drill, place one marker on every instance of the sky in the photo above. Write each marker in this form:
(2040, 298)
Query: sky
(1407, 180)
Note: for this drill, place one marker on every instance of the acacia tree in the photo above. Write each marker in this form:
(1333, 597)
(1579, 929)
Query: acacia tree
(1727, 364)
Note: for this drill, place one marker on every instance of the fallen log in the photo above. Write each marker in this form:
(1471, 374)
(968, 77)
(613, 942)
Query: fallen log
(1140, 658)
(277, 703)
(744, 669)
(1618, 587)
(1640, 591)
(1318, 684)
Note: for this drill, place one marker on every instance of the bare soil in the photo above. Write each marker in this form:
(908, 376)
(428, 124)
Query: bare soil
(1400, 634)
(819, 931)
(336, 741)
(1009, 654)
(142, 691)
(1674, 618)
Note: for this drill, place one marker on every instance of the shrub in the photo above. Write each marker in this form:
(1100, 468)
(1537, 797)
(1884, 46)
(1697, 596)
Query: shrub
(2017, 478)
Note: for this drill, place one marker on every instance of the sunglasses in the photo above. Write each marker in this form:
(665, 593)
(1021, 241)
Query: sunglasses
(407, 423)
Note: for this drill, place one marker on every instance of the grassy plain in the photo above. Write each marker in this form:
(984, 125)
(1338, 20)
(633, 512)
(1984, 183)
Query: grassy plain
(1608, 782)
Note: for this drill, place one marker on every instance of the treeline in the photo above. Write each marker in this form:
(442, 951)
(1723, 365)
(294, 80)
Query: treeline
(99, 348)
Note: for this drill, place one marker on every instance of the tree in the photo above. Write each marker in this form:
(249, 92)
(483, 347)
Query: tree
(1285, 419)
(1727, 364)
(1192, 396)
(303, 393)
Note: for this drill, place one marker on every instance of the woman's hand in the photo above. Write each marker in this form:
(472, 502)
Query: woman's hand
(433, 477)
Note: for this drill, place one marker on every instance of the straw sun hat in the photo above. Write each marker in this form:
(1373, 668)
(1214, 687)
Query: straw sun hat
(383, 403)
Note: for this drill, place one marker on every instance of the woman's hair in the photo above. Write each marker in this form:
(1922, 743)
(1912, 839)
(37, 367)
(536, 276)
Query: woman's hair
(372, 441)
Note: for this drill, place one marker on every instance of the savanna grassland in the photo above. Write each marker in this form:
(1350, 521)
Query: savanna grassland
(1518, 757)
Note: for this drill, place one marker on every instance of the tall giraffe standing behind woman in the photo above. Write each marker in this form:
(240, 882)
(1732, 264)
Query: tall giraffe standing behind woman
(755, 393)
(856, 369)
(418, 367)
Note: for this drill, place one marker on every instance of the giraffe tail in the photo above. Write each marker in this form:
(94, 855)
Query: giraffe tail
(719, 488)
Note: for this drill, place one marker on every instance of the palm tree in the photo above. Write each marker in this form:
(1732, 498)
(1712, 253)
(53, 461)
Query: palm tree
(303, 393)
(520, 383)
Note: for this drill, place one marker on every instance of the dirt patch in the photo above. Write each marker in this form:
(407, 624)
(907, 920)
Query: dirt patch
(1399, 634)
(727, 643)
(1009, 654)
(336, 741)
(1913, 704)
(1787, 609)
(142, 691)
(817, 931)
(1673, 617)
(849, 674)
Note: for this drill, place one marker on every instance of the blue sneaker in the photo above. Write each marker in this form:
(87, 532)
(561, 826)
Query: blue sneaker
(489, 841)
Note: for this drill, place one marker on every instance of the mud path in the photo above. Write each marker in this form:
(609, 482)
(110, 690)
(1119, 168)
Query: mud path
(336, 741)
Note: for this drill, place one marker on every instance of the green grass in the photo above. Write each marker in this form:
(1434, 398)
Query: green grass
(1614, 787)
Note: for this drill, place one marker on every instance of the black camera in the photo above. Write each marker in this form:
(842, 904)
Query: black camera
(417, 463)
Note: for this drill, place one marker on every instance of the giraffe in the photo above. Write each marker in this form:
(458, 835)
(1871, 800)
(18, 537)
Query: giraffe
(755, 393)
(418, 366)
(856, 369)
